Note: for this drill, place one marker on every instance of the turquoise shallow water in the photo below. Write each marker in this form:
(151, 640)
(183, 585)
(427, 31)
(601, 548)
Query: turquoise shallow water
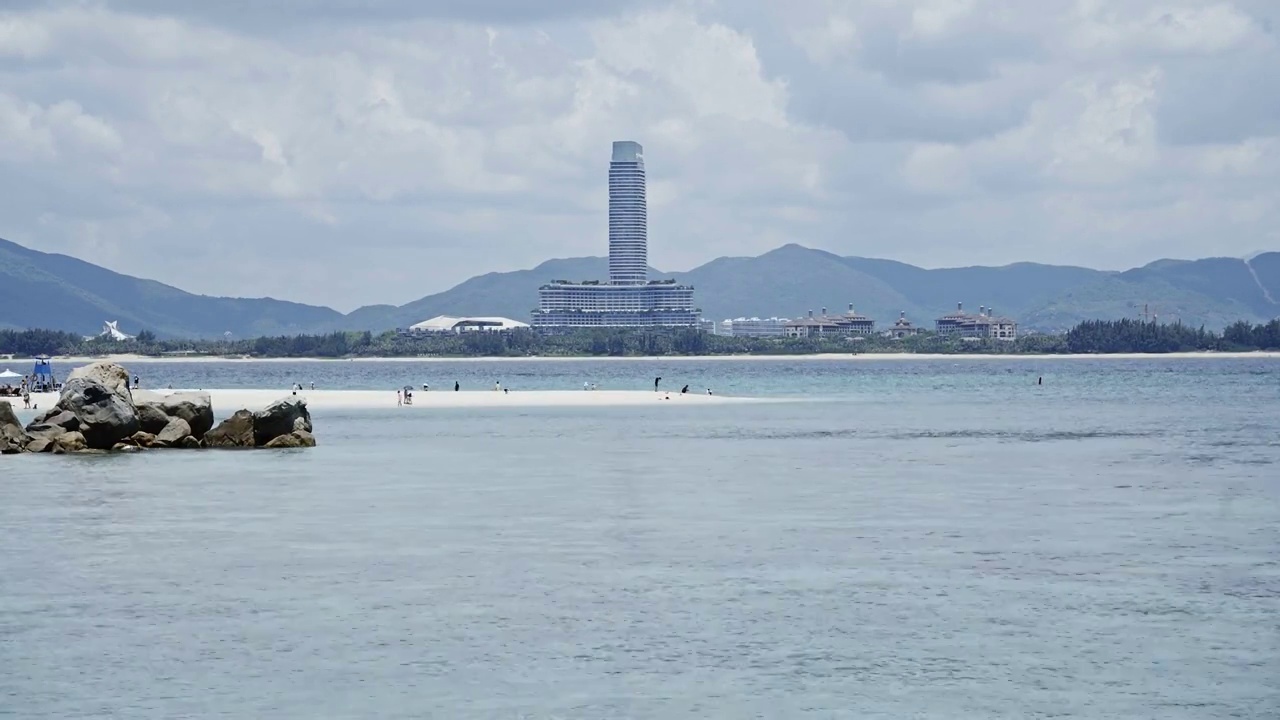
(906, 540)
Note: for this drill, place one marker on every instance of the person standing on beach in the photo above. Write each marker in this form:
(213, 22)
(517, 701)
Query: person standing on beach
(497, 385)
(399, 397)
(655, 383)
(456, 386)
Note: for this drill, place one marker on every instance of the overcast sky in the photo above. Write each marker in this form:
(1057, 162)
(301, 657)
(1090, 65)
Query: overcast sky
(348, 152)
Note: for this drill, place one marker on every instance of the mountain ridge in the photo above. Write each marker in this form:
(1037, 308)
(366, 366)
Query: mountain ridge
(61, 292)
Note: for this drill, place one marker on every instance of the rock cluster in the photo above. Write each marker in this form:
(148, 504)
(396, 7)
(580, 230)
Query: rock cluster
(97, 411)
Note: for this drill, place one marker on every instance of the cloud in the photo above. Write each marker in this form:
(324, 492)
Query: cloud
(360, 151)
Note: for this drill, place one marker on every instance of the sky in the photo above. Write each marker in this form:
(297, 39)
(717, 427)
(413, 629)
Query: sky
(351, 152)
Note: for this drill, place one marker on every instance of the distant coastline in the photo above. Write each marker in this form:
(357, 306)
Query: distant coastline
(125, 358)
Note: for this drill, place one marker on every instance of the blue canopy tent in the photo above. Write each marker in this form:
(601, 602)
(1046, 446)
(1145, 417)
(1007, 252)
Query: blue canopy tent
(42, 379)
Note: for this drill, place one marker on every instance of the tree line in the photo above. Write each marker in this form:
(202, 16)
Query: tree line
(1092, 336)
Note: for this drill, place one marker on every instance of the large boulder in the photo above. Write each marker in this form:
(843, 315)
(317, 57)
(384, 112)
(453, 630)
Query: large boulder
(173, 433)
(281, 418)
(295, 439)
(106, 416)
(109, 375)
(235, 431)
(40, 445)
(194, 407)
(13, 439)
(151, 417)
(69, 443)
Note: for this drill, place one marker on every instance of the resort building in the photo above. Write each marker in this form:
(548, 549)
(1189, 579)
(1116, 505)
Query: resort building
(448, 323)
(850, 324)
(902, 328)
(983, 325)
(753, 327)
(628, 298)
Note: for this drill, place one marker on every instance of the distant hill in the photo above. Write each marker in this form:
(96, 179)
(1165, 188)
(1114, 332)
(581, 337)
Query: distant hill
(62, 293)
(59, 292)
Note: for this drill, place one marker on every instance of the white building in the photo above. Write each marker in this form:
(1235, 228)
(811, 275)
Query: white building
(448, 323)
(628, 298)
(983, 325)
(753, 327)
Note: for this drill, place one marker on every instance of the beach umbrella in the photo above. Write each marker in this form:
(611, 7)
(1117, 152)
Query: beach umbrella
(9, 374)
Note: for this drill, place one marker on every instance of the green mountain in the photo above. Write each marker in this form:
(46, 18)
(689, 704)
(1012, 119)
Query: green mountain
(62, 293)
(43, 290)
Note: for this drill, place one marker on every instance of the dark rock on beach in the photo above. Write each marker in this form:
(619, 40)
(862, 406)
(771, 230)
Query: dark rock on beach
(236, 431)
(173, 433)
(280, 418)
(97, 411)
(13, 439)
(106, 417)
(193, 407)
(151, 417)
(295, 439)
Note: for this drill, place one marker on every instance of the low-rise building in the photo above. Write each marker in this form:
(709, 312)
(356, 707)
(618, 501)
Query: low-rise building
(902, 328)
(753, 327)
(985, 324)
(849, 324)
(448, 323)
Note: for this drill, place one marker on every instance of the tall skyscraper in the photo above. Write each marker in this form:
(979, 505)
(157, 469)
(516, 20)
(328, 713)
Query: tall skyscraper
(628, 216)
(628, 298)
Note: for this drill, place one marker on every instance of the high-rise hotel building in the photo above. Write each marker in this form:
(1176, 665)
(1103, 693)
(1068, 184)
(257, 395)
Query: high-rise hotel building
(628, 298)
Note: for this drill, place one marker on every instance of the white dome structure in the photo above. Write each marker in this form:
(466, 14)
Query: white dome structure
(448, 323)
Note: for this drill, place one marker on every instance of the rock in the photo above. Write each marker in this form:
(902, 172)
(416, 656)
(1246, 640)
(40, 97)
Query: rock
(281, 418)
(13, 439)
(142, 439)
(151, 417)
(194, 407)
(106, 417)
(191, 443)
(295, 439)
(53, 423)
(69, 443)
(174, 432)
(40, 445)
(7, 416)
(109, 375)
(235, 431)
(125, 448)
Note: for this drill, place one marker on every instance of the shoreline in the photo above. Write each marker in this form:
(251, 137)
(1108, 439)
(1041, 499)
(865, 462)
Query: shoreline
(845, 357)
(227, 401)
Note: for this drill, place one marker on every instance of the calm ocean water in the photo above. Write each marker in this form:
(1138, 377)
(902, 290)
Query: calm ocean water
(905, 540)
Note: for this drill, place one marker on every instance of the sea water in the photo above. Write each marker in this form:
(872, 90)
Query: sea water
(915, 539)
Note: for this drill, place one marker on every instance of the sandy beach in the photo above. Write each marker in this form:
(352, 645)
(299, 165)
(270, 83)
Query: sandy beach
(227, 401)
(128, 359)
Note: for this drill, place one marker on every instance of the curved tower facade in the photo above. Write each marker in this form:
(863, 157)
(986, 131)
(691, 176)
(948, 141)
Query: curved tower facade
(628, 298)
(628, 216)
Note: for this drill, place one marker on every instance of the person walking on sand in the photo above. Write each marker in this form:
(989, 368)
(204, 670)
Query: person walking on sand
(655, 383)
(708, 391)
(399, 397)
(313, 384)
(26, 400)
(497, 385)
(456, 386)
(135, 382)
(586, 386)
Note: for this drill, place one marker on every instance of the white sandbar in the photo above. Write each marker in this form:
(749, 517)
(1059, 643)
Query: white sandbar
(227, 401)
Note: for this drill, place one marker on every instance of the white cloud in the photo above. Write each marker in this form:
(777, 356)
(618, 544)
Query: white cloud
(395, 151)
